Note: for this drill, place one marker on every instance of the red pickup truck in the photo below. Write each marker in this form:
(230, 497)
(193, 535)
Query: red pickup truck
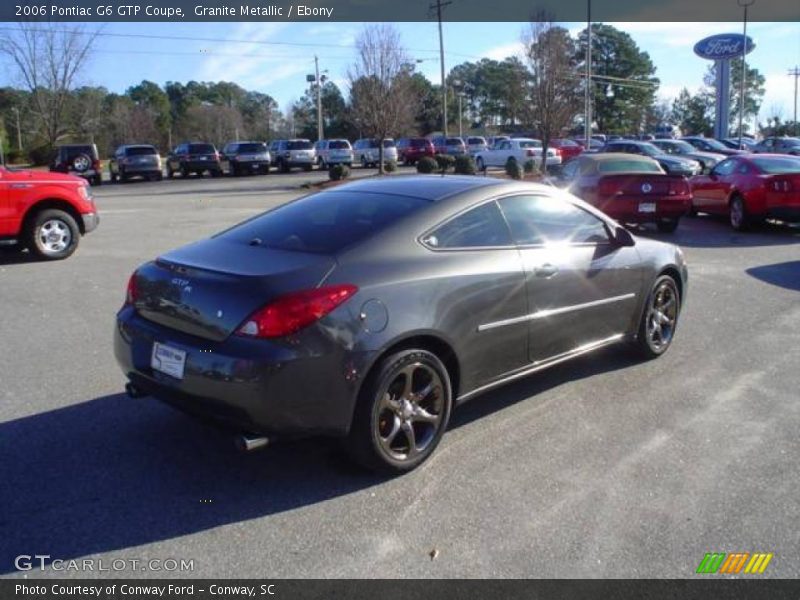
(47, 212)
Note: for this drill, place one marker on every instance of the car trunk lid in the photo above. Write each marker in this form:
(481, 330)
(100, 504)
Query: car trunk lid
(210, 287)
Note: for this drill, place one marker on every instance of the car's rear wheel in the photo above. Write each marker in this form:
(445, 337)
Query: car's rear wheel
(170, 173)
(667, 225)
(402, 412)
(738, 216)
(479, 164)
(363, 162)
(659, 318)
(97, 180)
(185, 172)
(53, 234)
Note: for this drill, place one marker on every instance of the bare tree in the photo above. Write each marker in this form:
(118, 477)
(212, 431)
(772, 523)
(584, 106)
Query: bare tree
(48, 59)
(554, 84)
(380, 84)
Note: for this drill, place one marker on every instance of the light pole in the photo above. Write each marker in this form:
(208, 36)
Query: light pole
(588, 91)
(744, 4)
(458, 86)
(318, 81)
(19, 130)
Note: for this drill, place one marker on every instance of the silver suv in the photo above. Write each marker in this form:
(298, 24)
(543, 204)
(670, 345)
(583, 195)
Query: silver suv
(367, 150)
(287, 154)
(135, 160)
(334, 152)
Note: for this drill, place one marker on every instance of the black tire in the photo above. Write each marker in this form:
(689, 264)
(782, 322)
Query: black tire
(97, 180)
(61, 223)
(363, 162)
(365, 443)
(113, 177)
(170, 173)
(284, 168)
(159, 176)
(737, 214)
(265, 170)
(216, 173)
(307, 167)
(652, 326)
(667, 225)
(124, 176)
(692, 211)
(185, 172)
(479, 164)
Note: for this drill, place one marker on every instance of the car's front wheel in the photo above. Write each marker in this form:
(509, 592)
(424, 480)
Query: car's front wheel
(659, 318)
(402, 412)
(53, 234)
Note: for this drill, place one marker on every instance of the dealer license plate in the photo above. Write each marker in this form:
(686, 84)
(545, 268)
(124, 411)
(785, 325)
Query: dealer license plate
(168, 360)
(647, 207)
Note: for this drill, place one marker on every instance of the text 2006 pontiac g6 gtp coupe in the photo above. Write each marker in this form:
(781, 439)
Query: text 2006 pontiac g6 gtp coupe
(368, 311)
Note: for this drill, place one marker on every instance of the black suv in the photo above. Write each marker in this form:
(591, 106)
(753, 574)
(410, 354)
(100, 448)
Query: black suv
(135, 160)
(245, 157)
(194, 157)
(78, 159)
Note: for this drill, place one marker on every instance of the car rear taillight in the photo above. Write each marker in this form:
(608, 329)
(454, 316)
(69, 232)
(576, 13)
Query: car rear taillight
(781, 185)
(557, 151)
(96, 165)
(679, 188)
(132, 293)
(607, 188)
(292, 312)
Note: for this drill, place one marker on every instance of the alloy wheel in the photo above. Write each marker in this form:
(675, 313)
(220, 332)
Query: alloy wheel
(410, 412)
(54, 236)
(662, 315)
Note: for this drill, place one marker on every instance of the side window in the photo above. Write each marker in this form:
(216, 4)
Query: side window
(480, 227)
(726, 167)
(570, 170)
(743, 169)
(538, 220)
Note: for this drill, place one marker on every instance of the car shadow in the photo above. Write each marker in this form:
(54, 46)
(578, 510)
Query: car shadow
(706, 231)
(115, 472)
(17, 256)
(785, 275)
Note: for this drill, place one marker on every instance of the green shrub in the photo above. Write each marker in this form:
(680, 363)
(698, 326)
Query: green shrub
(465, 165)
(390, 166)
(338, 172)
(15, 157)
(426, 165)
(531, 167)
(513, 169)
(445, 162)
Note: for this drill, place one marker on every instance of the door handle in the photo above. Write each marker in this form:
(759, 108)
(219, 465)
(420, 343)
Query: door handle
(545, 270)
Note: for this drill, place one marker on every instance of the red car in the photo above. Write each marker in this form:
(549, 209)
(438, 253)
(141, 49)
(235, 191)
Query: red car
(629, 188)
(568, 148)
(750, 188)
(410, 150)
(47, 212)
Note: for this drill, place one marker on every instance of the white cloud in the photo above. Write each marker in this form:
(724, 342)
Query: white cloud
(505, 51)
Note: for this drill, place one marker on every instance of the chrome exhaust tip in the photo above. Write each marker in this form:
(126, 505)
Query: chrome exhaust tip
(133, 391)
(248, 443)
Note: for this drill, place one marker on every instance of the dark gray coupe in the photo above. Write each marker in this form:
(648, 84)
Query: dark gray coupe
(370, 310)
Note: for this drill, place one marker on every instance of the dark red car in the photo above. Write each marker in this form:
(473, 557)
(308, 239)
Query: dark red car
(629, 188)
(568, 148)
(750, 188)
(47, 212)
(410, 150)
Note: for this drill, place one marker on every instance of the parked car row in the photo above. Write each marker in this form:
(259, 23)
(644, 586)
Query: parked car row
(638, 188)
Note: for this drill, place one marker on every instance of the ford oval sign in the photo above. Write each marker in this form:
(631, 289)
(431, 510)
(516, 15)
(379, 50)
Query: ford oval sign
(723, 46)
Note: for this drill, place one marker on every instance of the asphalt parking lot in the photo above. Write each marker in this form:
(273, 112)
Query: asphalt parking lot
(603, 467)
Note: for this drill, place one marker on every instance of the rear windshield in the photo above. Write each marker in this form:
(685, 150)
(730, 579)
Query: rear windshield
(201, 149)
(777, 165)
(140, 151)
(567, 143)
(339, 145)
(454, 141)
(325, 223)
(530, 144)
(388, 143)
(73, 151)
(419, 143)
(253, 148)
(476, 140)
(628, 166)
(296, 145)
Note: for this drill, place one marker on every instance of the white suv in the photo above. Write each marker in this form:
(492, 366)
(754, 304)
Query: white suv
(286, 154)
(334, 152)
(366, 151)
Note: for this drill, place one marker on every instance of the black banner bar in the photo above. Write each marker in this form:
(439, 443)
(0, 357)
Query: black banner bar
(583, 589)
(392, 10)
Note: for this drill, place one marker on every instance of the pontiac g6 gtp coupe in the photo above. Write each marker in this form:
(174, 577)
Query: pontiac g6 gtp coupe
(370, 310)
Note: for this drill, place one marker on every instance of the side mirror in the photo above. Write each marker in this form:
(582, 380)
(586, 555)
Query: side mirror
(623, 237)
(712, 174)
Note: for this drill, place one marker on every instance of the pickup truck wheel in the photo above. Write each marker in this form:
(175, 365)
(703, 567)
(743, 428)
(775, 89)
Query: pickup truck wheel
(667, 225)
(97, 180)
(53, 234)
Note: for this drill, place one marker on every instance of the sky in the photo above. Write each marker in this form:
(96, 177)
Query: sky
(269, 57)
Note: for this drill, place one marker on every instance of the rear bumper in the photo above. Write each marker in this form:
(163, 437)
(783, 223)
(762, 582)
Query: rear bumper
(201, 165)
(258, 386)
(629, 209)
(141, 170)
(90, 222)
(253, 165)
